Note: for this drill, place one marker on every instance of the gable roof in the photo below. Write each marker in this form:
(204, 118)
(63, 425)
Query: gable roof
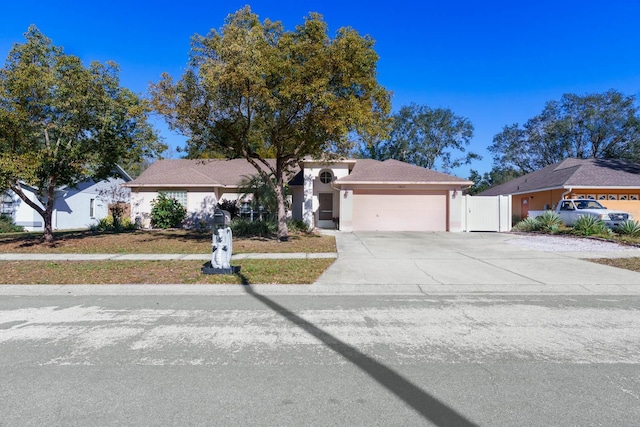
(369, 171)
(573, 173)
(195, 173)
(176, 173)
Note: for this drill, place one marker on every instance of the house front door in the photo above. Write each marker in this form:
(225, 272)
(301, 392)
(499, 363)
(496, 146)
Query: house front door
(325, 210)
(524, 208)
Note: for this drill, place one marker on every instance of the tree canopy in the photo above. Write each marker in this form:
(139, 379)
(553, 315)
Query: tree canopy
(62, 123)
(601, 125)
(490, 179)
(256, 91)
(434, 138)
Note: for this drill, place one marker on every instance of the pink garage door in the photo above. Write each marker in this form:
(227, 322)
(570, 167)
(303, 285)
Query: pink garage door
(384, 210)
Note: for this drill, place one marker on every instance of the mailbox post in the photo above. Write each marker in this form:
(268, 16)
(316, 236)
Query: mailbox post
(222, 245)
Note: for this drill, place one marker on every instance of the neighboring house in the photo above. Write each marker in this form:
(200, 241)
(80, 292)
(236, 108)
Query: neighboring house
(615, 183)
(74, 208)
(352, 194)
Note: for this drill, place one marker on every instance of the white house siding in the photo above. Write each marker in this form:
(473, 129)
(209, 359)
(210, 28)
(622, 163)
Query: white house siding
(396, 210)
(71, 208)
(24, 215)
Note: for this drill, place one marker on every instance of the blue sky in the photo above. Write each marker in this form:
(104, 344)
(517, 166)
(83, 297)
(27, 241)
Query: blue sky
(495, 63)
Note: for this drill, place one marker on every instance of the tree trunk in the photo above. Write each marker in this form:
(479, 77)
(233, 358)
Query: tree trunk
(283, 231)
(47, 237)
(47, 215)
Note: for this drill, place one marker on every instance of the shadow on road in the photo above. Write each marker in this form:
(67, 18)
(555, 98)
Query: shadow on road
(426, 405)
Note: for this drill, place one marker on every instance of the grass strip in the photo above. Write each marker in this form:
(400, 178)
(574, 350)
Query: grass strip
(254, 271)
(632, 264)
(158, 242)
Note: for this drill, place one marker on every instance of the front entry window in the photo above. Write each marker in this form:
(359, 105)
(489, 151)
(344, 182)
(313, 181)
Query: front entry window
(326, 177)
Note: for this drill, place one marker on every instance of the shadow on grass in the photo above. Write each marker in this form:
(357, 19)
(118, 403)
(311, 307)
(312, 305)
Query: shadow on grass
(427, 406)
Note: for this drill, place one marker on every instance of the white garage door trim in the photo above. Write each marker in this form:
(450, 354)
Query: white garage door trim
(410, 210)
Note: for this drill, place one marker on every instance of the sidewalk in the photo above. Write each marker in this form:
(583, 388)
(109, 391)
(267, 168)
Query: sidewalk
(155, 257)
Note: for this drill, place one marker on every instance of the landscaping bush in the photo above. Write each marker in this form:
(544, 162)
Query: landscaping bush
(244, 228)
(167, 212)
(7, 225)
(629, 228)
(230, 206)
(297, 225)
(527, 224)
(106, 224)
(549, 222)
(588, 225)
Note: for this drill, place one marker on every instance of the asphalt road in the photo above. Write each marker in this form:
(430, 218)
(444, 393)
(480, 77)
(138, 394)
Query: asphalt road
(446, 360)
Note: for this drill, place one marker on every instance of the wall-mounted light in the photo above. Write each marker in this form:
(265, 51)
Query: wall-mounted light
(455, 193)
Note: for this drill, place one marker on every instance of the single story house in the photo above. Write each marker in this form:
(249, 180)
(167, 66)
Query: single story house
(74, 208)
(351, 194)
(614, 183)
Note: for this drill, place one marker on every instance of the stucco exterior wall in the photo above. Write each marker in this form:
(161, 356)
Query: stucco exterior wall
(455, 210)
(201, 204)
(313, 187)
(549, 199)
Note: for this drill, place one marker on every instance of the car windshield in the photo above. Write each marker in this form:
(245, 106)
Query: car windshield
(588, 204)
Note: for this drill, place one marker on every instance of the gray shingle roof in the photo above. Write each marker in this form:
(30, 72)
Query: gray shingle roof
(182, 173)
(195, 173)
(374, 171)
(606, 173)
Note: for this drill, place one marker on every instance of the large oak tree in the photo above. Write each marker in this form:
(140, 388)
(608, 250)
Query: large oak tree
(428, 137)
(255, 91)
(62, 122)
(600, 125)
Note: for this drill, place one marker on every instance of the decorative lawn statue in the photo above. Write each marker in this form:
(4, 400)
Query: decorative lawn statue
(222, 245)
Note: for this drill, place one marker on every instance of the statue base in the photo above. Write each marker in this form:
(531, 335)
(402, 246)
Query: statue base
(207, 269)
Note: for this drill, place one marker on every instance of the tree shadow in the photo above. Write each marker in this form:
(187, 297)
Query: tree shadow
(429, 407)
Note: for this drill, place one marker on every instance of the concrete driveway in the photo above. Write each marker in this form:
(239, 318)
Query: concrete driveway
(469, 260)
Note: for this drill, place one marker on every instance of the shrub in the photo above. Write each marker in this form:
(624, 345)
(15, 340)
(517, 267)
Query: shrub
(230, 206)
(527, 224)
(629, 228)
(549, 222)
(588, 225)
(297, 225)
(7, 225)
(106, 224)
(167, 212)
(244, 228)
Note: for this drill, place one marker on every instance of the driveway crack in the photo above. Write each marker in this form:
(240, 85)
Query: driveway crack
(426, 274)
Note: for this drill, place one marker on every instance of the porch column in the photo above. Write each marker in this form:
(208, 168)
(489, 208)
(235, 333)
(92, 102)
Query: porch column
(307, 203)
(346, 210)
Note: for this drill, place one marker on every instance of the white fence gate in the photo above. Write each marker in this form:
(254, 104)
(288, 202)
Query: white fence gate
(486, 213)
